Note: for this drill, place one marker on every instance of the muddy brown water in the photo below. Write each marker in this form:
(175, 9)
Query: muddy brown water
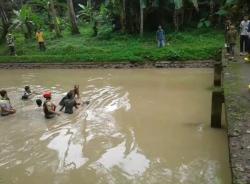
(145, 126)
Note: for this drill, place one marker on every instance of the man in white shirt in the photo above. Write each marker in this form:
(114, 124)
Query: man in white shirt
(244, 35)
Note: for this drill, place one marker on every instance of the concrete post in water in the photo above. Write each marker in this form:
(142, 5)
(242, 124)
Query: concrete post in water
(217, 101)
(217, 73)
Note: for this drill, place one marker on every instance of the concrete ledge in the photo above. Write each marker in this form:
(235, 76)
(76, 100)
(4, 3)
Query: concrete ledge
(118, 65)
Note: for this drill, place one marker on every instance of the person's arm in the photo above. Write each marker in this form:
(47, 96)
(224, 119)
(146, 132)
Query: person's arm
(76, 105)
(62, 108)
(241, 25)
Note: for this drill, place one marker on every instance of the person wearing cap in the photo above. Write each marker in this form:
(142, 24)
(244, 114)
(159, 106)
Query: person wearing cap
(10, 39)
(5, 105)
(40, 40)
(49, 108)
(160, 37)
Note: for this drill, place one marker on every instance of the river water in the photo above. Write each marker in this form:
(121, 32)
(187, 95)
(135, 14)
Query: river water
(145, 126)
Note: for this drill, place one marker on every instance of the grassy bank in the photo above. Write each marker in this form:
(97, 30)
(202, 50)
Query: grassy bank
(190, 45)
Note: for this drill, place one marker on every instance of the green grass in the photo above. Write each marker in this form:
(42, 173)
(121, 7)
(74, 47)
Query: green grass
(113, 47)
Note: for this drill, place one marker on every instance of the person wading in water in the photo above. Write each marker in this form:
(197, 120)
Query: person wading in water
(49, 108)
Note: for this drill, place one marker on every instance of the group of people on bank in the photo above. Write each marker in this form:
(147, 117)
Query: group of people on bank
(10, 39)
(231, 37)
(67, 103)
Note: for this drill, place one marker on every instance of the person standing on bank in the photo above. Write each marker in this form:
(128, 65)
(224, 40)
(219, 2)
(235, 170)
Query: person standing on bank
(244, 35)
(40, 40)
(228, 23)
(10, 39)
(247, 59)
(160, 37)
(231, 40)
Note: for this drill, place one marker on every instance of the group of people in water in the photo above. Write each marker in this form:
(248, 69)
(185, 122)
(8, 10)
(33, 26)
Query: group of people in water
(231, 37)
(67, 103)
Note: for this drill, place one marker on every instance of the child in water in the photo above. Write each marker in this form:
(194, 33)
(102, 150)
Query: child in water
(49, 108)
(27, 93)
(39, 102)
(5, 105)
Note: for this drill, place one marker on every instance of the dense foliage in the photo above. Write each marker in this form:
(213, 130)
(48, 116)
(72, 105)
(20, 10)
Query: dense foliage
(131, 16)
(94, 21)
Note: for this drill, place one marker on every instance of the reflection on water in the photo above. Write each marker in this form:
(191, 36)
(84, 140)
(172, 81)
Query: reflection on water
(141, 126)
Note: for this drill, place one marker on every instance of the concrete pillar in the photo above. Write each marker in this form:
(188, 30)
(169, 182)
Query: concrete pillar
(217, 74)
(217, 101)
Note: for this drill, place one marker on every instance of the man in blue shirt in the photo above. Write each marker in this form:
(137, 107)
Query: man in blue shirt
(160, 37)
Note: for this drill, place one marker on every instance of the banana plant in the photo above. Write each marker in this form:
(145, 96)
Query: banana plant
(24, 20)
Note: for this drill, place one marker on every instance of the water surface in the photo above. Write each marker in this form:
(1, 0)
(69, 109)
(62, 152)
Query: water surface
(145, 126)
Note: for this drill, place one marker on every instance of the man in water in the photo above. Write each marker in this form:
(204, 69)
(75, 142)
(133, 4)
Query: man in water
(49, 108)
(5, 105)
(70, 103)
(160, 37)
(10, 39)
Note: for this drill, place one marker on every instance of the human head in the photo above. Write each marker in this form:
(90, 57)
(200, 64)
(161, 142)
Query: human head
(245, 17)
(70, 95)
(39, 102)
(47, 95)
(159, 27)
(3, 93)
(27, 89)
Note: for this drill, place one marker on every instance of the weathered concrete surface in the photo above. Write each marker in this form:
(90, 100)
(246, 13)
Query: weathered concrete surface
(237, 104)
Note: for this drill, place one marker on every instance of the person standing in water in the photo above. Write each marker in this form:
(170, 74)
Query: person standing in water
(49, 108)
(40, 40)
(5, 105)
(70, 103)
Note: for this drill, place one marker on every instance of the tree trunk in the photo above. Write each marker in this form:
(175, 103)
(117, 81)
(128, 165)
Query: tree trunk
(72, 15)
(123, 16)
(176, 20)
(89, 3)
(55, 19)
(141, 17)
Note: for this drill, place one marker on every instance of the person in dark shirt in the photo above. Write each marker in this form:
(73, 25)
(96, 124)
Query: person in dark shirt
(69, 102)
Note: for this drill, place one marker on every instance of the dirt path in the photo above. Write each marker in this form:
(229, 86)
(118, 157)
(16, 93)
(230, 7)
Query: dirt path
(237, 101)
